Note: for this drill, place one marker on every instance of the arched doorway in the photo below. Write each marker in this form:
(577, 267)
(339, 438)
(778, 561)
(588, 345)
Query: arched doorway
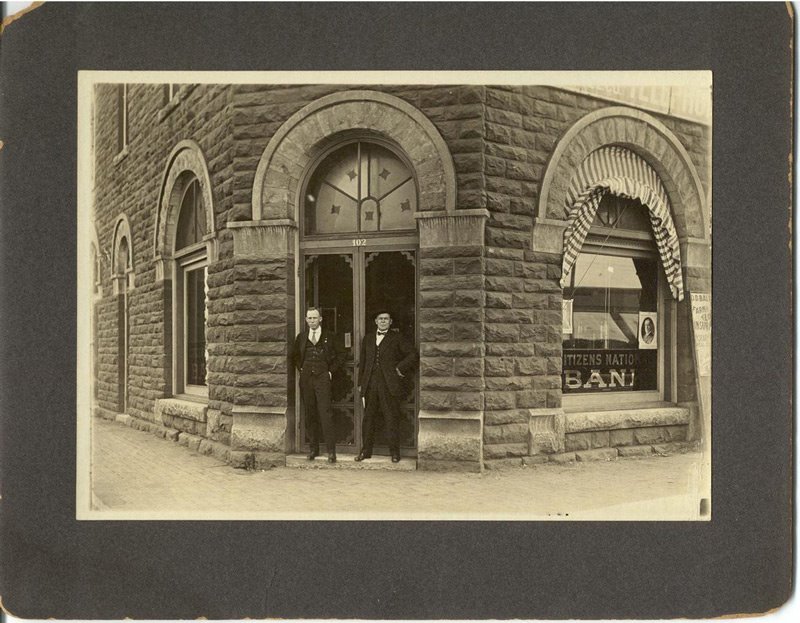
(358, 256)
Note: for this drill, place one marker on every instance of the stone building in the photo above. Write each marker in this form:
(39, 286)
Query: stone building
(538, 244)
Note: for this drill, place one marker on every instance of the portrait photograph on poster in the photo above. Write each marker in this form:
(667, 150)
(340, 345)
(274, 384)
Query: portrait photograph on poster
(394, 295)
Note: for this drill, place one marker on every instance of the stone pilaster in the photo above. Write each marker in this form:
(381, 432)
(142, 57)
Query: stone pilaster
(451, 339)
(253, 338)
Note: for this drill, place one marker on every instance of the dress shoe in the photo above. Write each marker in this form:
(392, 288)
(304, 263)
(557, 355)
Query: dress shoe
(396, 457)
(331, 458)
(362, 455)
(313, 455)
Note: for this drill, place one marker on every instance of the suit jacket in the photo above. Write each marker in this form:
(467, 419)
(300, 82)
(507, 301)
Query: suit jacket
(333, 354)
(397, 353)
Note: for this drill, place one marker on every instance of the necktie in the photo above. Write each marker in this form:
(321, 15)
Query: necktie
(314, 338)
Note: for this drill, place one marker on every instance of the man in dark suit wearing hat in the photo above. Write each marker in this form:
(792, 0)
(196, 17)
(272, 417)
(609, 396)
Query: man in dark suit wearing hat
(386, 365)
(316, 355)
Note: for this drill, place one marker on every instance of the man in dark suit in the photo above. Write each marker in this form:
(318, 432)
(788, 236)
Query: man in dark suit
(316, 355)
(386, 365)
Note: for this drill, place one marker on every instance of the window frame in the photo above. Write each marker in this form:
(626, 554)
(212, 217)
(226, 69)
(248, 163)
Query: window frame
(604, 241)
(123, 137)
(188, 259)
(308, 174)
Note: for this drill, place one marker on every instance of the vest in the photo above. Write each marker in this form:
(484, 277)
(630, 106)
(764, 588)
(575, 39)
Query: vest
(315, 361)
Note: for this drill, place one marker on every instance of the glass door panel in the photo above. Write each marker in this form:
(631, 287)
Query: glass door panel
(329, 287)
(390, 283)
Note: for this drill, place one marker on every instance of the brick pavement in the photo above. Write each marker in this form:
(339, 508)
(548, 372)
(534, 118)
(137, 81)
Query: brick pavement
(136, 474)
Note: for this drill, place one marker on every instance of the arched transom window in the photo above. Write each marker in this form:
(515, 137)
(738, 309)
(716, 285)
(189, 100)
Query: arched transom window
(192, 219)
(360, 187)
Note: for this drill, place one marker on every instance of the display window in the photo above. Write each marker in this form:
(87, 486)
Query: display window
(615, 311)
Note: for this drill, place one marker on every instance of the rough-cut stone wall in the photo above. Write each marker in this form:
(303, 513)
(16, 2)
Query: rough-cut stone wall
(523, 298)
(129, 183)
(490, 318)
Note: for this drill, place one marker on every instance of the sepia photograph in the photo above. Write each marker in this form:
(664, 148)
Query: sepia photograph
(394, 295)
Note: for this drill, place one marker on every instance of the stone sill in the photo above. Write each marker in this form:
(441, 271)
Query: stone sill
(120, 156)
(187, 409)
(451, 415)
(617, 419)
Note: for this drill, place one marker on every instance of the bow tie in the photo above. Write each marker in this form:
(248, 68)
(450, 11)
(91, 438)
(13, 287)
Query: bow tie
(383, 332)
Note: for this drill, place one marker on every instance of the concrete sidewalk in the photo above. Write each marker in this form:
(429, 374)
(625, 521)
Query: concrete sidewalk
(137, 475)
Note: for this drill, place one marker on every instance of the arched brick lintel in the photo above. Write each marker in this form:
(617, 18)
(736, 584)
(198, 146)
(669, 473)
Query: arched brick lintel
(646, 136)
(185, 159)
(292, 148)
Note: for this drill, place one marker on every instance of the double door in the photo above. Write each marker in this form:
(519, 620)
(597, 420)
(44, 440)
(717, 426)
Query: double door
(349, 286)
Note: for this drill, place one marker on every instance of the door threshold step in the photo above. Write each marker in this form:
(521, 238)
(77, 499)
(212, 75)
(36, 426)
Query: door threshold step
(347, 461)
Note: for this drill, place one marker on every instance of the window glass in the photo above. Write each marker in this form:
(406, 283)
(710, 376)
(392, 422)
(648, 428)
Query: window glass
(610, 340)
(195, 327)
(191, 220)
(360, 187)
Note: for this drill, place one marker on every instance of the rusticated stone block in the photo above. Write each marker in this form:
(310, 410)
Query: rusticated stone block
(601, 454)
(468, 298)
(431, 332)
(622, 437)
(635, 451)
(499, 366)
(506, 433)
(468, 265)
(451, 349)
(468, 401)
(435, 401)
(442, 315)
(499, 300)
(436, 366)
(587, 441)
(431, 266)
(502, 464)
(502, 451)
(467, 331)
(500, 400)
(453, 436)
(506, 416)
(507, 383)
(436, 299)
(501, 332)
(472, 366)
(656, 435)
(451, 384)
(530, 366)
(259, 429)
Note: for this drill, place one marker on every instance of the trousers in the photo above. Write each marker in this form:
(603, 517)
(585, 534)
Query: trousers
(379, 400)
(315, 392)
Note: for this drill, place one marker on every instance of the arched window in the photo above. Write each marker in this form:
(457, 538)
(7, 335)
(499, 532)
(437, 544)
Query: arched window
(191, 262)
(618, 308)
(121, 268)
(360, 187)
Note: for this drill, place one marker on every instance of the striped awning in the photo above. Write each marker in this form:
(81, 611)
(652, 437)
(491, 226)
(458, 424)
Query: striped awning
(619, 171)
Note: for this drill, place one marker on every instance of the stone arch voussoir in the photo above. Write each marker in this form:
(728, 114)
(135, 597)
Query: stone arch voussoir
(301, 138)
(647, 137)
(186, 161)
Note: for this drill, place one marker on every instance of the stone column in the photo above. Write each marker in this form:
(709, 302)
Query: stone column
(451, 340)
(259, 332)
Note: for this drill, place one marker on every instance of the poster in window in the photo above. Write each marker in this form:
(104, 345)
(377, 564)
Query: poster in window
(648, 336)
